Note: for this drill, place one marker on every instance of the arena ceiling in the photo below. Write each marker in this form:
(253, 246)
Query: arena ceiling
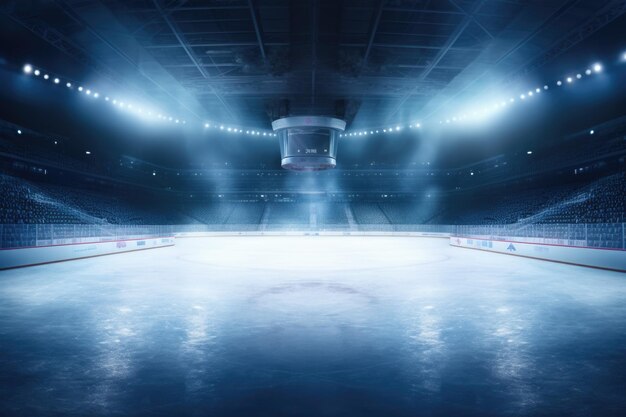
(370, 61)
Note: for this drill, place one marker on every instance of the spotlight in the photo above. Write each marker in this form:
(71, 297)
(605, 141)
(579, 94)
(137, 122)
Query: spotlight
(28, 69)
(229, 129)
(511, 99)
(588, 72)
(115, 102)
(68, 85)
(19, 132)
(88, 92)
(80, 88)
(530, 94)
(559, 83)
(206, 125)
(221, 127)
(522, 97)
(538, 90)
(597, 67)
(96, 95)
(37, 72)
(397, 127)
(106, 98)
(545, 87)
(46, 76)
(56, 80)
(569, 79)
(591, 132)
(529, 152)
(579, 76)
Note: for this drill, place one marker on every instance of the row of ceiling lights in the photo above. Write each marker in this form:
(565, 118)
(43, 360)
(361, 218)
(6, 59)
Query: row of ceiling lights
(466, 116)
(30, 70)
(524, 96)
(485, 111)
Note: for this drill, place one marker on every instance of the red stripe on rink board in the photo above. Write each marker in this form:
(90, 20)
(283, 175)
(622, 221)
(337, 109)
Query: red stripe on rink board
(541, 244)
(542, 259)
(83, 257)
(89, 243)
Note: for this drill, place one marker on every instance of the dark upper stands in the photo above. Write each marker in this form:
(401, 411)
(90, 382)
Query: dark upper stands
(598, 201)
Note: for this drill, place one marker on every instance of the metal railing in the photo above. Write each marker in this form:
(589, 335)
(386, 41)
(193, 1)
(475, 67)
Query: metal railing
(599, 235)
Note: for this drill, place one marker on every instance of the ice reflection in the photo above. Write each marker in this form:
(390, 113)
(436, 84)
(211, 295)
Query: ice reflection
(427, 348)
(116, 334)
(197, 348)
(513, 362)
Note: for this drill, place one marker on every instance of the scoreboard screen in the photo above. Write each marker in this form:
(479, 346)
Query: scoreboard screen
(309, 141)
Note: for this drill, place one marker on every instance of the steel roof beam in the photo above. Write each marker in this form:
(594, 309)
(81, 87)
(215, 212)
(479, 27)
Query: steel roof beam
(213, 45)
(474, 19)
(257, 28)
(378, 12)
(409, 46)
(442, 52)
(191, 55)
(314, 30)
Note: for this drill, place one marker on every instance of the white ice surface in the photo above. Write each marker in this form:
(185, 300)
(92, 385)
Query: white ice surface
(274, 311)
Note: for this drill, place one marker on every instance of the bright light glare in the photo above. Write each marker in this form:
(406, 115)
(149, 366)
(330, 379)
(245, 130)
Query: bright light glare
(80, 88)
(569, 79)
(37, 72)
(56, 80)
(45, 77)
(597, 67)
(68, 85)
(28, 68)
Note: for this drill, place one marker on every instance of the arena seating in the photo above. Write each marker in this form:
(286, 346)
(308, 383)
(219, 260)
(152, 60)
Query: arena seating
(597, 201)
(369, 213)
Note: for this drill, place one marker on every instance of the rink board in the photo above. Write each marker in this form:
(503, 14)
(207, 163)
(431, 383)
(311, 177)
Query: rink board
(613, 259)
(310, 233)
(37, 255)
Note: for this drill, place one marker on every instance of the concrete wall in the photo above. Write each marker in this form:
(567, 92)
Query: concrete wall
(614, 259)
(12, 258)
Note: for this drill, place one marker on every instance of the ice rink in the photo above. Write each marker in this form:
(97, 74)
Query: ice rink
(312, 326)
